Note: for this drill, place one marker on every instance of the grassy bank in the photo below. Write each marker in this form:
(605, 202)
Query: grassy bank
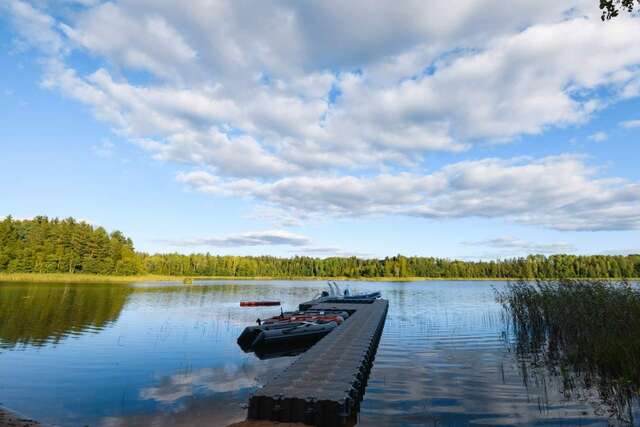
(99, 278)
(81, 278)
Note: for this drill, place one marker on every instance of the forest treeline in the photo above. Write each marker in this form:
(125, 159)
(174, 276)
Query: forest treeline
(43, 245)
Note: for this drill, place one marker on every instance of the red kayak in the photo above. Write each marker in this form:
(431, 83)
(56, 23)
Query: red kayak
(258, 303)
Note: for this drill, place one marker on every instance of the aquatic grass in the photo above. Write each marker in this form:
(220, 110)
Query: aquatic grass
(586, 332)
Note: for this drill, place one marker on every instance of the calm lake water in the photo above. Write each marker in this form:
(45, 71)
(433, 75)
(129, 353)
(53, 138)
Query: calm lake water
(166, 354)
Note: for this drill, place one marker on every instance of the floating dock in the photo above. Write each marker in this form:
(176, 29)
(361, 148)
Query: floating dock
(325, 385)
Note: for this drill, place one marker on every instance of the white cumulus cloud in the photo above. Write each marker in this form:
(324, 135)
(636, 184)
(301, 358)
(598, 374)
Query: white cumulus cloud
(630, 124)
(333, 108)
(519, 246)
(599, 136)
(559, 192)
(255, 238)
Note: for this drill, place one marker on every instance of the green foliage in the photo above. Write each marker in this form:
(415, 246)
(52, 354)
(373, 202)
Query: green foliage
(535, 266)
(611, 8)
(43, 245)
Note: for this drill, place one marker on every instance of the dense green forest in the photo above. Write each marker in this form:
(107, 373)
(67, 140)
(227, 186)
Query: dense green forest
(43, 245)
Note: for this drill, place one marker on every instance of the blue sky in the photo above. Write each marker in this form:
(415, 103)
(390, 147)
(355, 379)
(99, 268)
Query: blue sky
(319, 128)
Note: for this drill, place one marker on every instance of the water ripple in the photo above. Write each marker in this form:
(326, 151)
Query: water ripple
(161, 354)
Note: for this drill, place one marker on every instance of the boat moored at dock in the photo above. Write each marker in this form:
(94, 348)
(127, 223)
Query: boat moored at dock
(304, 325)
(325, 384)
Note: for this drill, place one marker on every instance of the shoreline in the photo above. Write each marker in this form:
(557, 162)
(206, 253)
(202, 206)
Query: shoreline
(11, 419)
(263, 423)
(109, 279)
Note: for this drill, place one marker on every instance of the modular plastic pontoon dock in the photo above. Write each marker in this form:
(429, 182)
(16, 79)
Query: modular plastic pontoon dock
(325, 385)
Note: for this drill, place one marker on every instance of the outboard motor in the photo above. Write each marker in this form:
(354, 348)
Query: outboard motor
(337, 289)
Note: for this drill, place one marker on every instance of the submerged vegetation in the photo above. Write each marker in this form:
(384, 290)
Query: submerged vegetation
(53, 246)
(586, 333)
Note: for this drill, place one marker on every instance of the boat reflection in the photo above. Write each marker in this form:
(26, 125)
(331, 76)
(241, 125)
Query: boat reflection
(283, 350)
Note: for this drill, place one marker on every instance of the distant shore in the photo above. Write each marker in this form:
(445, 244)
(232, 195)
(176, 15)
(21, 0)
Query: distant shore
(96, 278)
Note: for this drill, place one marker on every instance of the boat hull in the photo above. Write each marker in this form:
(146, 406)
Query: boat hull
(301, 333)
(255, 337)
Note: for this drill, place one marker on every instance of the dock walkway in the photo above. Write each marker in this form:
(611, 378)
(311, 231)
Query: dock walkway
(325, 385)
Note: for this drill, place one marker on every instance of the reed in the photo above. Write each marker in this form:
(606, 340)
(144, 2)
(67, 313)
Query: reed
(587, 332)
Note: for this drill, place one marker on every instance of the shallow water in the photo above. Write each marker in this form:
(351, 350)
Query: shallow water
(165, 354)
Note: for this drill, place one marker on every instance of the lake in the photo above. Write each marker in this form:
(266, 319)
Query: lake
(166, 354)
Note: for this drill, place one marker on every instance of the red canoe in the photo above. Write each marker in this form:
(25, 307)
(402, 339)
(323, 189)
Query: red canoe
(258, 303)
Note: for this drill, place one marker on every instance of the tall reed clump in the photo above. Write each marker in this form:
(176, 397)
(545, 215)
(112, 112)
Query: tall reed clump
(587, 332)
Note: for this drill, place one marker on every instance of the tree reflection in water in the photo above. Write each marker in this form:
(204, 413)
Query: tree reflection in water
(39, 314)
(583, 334)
